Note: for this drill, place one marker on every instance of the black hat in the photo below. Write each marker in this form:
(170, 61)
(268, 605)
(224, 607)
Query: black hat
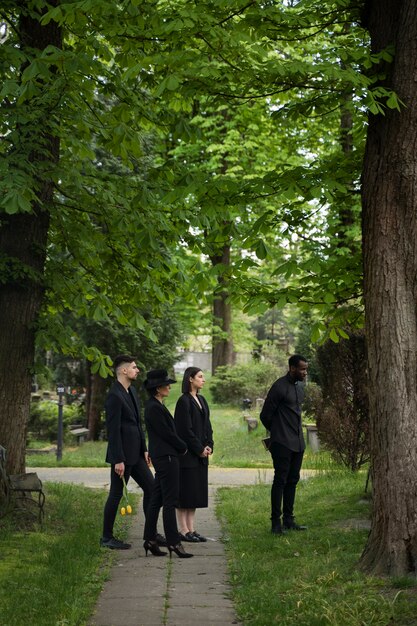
(157, 378)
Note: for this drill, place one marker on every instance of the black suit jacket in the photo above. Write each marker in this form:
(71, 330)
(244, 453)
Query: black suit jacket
(194, 426)
(126, 441)
(162, 434)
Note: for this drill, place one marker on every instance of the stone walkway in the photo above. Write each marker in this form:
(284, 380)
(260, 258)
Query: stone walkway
(159, 591)
(98, 477)
(154, 591)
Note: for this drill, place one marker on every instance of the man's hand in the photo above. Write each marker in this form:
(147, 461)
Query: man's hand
(147, 459)
(119, 468)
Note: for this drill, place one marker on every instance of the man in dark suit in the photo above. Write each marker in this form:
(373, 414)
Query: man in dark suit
(126, 450)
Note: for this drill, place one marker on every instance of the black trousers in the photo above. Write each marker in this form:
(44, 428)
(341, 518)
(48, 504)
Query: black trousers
(144, 478)
(165, 494)
(287, 466)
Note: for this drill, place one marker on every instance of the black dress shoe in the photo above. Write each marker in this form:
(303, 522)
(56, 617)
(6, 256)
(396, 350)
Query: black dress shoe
(277, 530)
(199, 537)
(114, 544)
(292, 525)
(190, 537)
(160, 540)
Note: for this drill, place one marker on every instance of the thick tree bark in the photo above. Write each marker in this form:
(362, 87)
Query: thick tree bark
(98, 388)
(88, 390)
(390, 270)
(23, 241)
(222, 342)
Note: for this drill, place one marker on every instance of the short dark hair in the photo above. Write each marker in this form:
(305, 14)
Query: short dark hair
(190, 372)
(120, 359)
(295, 359)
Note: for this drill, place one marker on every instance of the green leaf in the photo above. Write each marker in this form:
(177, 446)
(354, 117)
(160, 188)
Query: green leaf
(261, 250)
(172, 82)
(104, 371)
(393, 102)
(334, 336)
(328, 298)
(15, 202)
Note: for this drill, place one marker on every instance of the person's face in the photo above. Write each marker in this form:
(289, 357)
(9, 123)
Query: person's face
(163, 392)
(299, 372)
(197, 381)
(131, 371)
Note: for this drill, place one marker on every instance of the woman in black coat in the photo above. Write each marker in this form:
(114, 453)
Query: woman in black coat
(192, 420)
(164, 447)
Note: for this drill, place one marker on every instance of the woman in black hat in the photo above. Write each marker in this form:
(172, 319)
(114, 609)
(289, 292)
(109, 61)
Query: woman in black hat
(164, 448)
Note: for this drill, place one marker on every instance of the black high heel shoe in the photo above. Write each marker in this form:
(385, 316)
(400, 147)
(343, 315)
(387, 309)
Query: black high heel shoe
(160, 540)
(153, 548)
(179, 551)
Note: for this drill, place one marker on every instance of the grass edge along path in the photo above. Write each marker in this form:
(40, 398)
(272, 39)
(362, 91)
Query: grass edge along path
(309, 578)
(54, 575)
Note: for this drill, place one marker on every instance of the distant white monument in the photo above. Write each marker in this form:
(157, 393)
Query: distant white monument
(3, 32)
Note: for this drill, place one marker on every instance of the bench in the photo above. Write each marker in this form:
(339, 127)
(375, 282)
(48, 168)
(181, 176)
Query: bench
(16, 490)
(80, 434)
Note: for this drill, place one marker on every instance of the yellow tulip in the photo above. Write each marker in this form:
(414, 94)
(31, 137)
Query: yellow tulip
(123, 511)
(129, 509)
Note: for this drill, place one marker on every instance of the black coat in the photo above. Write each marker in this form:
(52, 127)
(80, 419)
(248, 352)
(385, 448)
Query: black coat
(126, 441)
(162, 435)
(281, 413)
(194, 426)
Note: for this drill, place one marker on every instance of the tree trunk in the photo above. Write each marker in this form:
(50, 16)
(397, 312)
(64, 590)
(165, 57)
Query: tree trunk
(88, 390)
(23, 241)
(95, 410)
(222, 342)
(390, 269)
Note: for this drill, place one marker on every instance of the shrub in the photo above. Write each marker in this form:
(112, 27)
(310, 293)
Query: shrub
(343, 423)
(313, 401)
(233, 383)
(43, 419)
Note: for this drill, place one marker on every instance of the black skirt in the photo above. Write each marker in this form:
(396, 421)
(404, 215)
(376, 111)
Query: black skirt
(194, 487)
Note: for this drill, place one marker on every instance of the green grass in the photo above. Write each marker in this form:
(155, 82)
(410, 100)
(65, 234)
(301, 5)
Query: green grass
(88, 454)
(234, 446)
(309, 578)
(53, 576)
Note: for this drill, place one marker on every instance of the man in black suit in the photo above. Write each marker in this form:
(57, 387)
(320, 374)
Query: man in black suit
(126, 450)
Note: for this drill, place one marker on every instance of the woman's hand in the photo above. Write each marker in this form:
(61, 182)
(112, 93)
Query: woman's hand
(119, 468)
(147, 459)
